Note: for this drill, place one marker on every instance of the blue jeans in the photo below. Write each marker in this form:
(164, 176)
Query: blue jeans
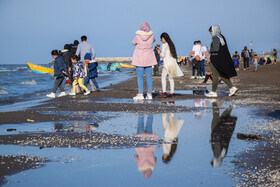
(148, 74)
(87, 79)
(202, 68)
(149, 124)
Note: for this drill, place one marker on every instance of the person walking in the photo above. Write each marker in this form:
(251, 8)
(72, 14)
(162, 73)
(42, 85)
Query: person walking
(256, 61)
(221, 62)
(246, 57)
(144, 58)
(78, 75)
(60, 72)
(156, 67)
(196, 61)
(170, 67)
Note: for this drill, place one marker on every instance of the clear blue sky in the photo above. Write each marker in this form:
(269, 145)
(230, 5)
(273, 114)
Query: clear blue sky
(30, 29)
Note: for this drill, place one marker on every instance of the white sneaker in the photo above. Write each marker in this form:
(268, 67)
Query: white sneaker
(138, 97)
(72, 93)
(61, 94)
(200, 77)
(232, 91)
(192, 77)
(51, 95)
(88, 92)
(211, 94)
(149, 96)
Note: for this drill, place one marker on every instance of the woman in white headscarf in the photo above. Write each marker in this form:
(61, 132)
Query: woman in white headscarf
(221, 62)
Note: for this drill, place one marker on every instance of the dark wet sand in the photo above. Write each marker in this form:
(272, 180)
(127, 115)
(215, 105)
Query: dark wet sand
(257, 89)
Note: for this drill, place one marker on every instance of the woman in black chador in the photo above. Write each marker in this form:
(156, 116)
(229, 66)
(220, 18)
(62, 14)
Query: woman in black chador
(221, 62)
(222, 128)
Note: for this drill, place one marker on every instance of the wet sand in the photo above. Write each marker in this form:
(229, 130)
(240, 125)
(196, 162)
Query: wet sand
(259, 90)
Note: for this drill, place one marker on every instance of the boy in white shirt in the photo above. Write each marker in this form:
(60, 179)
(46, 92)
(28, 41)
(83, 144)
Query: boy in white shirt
(196, 63)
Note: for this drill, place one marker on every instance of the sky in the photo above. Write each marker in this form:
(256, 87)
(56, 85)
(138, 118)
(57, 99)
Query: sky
(31, 29)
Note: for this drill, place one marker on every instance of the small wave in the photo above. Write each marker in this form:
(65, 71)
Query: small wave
(32, 82)
(4, 70)
(3, 92)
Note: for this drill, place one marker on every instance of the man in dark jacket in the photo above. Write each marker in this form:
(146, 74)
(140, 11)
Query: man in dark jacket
(245, 54)
(156, 67)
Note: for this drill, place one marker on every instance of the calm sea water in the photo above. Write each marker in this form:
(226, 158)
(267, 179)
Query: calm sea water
(19, 83)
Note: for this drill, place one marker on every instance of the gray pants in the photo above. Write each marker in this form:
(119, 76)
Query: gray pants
(58, 84)
(215, 80)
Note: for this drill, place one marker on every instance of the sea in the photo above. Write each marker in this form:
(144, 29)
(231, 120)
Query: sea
(20, 84)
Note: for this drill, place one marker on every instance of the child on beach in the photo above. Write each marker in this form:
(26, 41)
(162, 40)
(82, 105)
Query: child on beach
(170, 66)
(78, 75)
(256, 61)
(144, 58)
(59, 73)
(92, 73)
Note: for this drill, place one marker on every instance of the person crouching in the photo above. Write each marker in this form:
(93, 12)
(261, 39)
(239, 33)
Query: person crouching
(78, 75)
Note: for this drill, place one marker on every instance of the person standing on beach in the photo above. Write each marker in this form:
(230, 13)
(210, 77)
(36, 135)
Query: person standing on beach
(246, 57)
(60, 71)
(83, 48)
(204, 55)
(256, 61)
(156, 67)
(221, 62)
(196, 61)
(170, 67)
(144, 58)
(78, 75)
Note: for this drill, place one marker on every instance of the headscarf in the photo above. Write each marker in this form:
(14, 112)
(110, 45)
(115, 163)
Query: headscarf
(145, 27)
(216, 30)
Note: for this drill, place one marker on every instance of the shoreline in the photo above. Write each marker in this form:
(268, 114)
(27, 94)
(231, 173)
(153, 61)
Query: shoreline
(257, 90)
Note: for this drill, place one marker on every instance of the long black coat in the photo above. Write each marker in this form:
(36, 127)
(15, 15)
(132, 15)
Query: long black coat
(220, 57)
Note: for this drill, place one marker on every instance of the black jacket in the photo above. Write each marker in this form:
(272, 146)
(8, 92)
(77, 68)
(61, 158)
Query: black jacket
(220, 57)
(59, 66)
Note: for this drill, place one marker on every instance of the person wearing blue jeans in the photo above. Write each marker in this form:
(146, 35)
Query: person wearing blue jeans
(141, 126)
(202, 68)
(140, 79)
(144, 58)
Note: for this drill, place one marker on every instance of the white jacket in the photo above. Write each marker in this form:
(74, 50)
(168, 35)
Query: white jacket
(170, 63)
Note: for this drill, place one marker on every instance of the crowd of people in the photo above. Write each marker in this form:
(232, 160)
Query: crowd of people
(77, 63)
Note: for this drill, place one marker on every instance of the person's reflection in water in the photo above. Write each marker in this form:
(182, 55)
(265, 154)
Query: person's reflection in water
(222, 128)
(145, 159)
(171, 130)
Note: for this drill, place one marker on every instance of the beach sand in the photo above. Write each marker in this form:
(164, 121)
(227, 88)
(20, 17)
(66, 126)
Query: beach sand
(258, 89)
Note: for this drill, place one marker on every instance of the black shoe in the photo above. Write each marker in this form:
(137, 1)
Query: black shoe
(171, 95)
(163, 94)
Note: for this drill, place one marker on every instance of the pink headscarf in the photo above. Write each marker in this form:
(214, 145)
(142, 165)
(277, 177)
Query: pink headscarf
(145, 27)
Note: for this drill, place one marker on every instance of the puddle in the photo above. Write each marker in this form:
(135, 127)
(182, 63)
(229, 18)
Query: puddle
(184, 149)
(22, 105)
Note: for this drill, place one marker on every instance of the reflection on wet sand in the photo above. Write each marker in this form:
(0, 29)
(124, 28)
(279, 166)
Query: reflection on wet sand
(222, 128)
(145, 159)
(171, 130)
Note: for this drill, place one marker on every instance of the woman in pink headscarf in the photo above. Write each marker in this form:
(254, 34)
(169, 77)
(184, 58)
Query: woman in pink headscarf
(144, 58)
